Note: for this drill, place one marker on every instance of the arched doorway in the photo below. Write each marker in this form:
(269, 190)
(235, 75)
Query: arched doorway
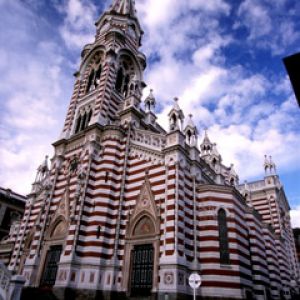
(141, 256)
(54, 242)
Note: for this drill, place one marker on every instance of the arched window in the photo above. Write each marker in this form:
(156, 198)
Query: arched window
(77, 128)
(126, 83)
(223, 237)
(119, 81)
(94, 78)
(125, 73)
(83, 122)
(189, 137)
(90, 81)
(98, 75)
(89, 117)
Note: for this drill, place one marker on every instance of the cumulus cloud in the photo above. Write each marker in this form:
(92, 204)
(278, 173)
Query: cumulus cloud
(33, 82)
(77, 29)
(267, 25)
(295, 216)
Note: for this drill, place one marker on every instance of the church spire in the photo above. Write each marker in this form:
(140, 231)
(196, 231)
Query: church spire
(124, 7)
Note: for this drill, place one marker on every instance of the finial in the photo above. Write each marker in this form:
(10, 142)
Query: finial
(176, 99)
(191, 116)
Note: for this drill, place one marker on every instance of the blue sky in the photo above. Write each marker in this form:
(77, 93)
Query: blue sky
(222, 58)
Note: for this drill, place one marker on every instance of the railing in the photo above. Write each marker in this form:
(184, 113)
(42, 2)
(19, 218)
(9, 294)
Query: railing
(10, 286)
(144, 138)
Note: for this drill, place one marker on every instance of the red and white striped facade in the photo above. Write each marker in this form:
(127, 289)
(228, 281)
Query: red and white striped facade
(122, 170)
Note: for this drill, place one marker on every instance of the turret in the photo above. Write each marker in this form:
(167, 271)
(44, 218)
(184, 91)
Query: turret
(206, 146)
(176, 117)
(232, 178)
(150, 102)
(191, 132)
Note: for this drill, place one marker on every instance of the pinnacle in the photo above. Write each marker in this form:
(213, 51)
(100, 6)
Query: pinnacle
(206, 139)
(124, 7)
(176, 105)
(190, 121)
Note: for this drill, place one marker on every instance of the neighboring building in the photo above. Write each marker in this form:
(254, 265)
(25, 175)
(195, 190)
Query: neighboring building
(128, 209)
(297, 241)
(12, 206)
(292, 65)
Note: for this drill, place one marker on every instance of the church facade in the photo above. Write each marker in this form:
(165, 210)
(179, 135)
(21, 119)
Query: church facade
(127, 209)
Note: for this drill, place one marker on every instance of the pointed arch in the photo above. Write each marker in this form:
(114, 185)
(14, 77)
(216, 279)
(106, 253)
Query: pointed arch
(128, 68)
(58, 229)
(89, 59)
(143, 226)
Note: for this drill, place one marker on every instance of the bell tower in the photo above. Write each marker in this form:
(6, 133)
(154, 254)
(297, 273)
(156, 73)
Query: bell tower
(111, 70)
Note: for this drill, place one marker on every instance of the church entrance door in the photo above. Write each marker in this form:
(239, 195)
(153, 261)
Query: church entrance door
(51, 266)
(142, 270)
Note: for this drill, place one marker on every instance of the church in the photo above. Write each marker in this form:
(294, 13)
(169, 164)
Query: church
(128, 210)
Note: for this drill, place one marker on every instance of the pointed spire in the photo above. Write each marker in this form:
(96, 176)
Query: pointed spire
(124, 7)
(176, 105)
(190, 121)
(150, 102)
(269, 166)
(207, 145)
(215, 152)
(272, 166)
(191, 132)
(176, 116)
(232, 178)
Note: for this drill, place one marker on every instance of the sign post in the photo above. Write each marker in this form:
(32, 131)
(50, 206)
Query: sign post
(194, 282)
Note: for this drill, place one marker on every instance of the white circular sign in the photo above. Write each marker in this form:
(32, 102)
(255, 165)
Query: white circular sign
(194, 280)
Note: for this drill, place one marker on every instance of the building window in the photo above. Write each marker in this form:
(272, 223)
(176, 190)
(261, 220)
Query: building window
(83, 120)
(119, 81)
(94, 78)
(223, 237)
(124, 76)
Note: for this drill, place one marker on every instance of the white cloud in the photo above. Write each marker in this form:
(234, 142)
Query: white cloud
(255, 16)
(268, 27)
(33, 84)
(295, 216)
(80, 16)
